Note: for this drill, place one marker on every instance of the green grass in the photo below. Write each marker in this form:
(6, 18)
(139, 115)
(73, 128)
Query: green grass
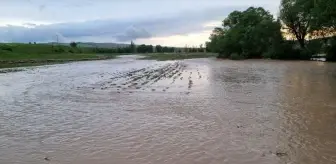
(176, 56)
(18, 60)
(33, 48)
(21, 55)
(63, 56)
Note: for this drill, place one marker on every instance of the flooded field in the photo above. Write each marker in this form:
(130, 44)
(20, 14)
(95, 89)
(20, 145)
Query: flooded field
(199, 111)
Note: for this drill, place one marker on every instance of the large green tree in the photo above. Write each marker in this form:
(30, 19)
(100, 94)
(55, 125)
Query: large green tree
(215, 38)
(324, 13)
(248, 34)
(324, 18)
(296, 18)
(158, 48)
(313, 18)
(324, 25)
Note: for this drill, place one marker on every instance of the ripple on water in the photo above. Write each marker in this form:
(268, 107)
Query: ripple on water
(192, 111)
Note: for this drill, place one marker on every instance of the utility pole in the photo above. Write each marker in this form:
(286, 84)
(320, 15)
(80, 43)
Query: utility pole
(57, 38)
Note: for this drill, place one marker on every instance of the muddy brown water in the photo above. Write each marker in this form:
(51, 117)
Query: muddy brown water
(199, 111)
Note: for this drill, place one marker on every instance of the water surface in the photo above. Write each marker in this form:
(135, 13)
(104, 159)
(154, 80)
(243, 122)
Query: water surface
(197, 111)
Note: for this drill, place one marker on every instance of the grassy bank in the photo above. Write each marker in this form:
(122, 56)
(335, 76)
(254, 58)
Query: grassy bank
(19, 55)
(21, 60)
(176, 56)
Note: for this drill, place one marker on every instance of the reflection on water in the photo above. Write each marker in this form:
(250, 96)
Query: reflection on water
(194, 111)
(309, 113)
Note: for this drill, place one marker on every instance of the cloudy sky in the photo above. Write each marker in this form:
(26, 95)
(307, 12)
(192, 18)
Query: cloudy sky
(166, 22)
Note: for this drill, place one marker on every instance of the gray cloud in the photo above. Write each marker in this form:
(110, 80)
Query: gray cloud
(126, 30)
(133, 33)
(109, 20)
(42, 7)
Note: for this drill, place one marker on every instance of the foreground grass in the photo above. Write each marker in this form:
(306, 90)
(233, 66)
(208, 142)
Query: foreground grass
(176, 56)
(9, 60)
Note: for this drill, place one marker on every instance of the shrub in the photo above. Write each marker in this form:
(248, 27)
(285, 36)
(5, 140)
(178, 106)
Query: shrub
(59, 50)
(73, 44)
(267, 55)
(6, 48)
(223, 55)
(288, 50)
(331, 52)
(236, 56)
(315, 46)
(305, 54)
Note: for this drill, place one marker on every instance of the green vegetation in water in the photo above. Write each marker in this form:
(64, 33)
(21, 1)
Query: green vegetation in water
(176, 56)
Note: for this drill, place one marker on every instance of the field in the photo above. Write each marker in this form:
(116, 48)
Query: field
(18, 60)
(137, 79)
(18, 55)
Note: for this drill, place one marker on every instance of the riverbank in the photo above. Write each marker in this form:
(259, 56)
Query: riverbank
(22, 55)
(20, 60)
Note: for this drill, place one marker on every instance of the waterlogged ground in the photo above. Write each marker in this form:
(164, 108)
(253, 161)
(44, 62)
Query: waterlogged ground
(197, 111)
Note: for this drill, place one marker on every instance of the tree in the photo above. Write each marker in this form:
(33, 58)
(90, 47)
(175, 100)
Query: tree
(331, 50)
(145, 48)
(171, 49)
(165, 49)
(132, 47)
(150, 48)
(215, 38)
(201, 48)
(323, 19)
(246, 34)
(158, 48)
(73, 44)
(324, 24)
(207, 48)
(324, 14)
(297, 18)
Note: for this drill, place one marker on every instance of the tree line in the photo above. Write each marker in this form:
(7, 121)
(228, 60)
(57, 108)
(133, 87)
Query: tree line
(303, 28)
(143, 48)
